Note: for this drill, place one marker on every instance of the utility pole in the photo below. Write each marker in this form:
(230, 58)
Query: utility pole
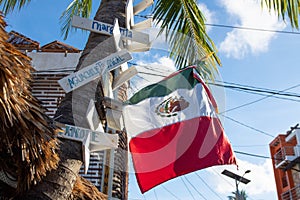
(237, 179)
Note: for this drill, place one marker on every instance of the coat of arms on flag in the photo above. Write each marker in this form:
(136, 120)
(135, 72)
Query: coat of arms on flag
(171, 106)
(175, 129)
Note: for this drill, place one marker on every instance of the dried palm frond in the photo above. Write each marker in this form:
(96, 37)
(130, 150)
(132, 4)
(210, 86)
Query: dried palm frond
(84, 189)
(28, 145)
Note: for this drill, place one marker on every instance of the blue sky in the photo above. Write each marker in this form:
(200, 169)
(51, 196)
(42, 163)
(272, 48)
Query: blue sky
(254, 58)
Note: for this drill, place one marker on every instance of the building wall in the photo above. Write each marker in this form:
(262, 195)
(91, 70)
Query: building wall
(280, 176)
(287, 176)
(48, 91)
(296, 174)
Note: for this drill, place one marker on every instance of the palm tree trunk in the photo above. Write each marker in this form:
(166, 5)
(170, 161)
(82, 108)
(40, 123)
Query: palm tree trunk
(59, 183)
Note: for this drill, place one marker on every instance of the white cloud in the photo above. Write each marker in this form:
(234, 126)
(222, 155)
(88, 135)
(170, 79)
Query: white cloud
(151, 72)
(248, 13)
(261, 177)
(209, 15)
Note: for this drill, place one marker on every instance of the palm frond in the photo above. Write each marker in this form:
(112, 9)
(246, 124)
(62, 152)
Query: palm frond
(76, 7)
(284, 7)
(8, 6)
(184, 26)
(28, 143)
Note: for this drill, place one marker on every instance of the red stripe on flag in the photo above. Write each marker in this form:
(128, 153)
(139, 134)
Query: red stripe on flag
(162, 154)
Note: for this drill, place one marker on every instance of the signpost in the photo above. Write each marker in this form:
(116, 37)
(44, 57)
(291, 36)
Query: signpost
(93, 118)
(87, 74)
(142, 25)
(96, 139)
(130, 11)
(125, 76)
(92, 141)
(107, 29)
(142, 6)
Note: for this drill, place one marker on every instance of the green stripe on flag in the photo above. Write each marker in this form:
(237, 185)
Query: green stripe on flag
(182, 80)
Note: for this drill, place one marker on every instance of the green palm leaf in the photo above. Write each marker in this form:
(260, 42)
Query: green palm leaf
(76, 7)
(283, 7)
(184, 25)
(9, 5)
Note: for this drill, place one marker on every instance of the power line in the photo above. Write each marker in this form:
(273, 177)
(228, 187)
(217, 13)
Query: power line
(238, 27)
(187, 188)
(252, 29)
(253, 155)
(281, 98)
(195, 188)
(208, 186)
(170, 192)
(222, 177)
(240, 87)
(250, 127)
(252, 102)
(256, 89)
(155, 194)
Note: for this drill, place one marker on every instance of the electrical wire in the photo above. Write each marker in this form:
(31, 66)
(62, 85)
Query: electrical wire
(236, 27)
(155, 194)
(222, 177)
(256, 89)
(281, 98)
(170, 192)
(208, 186)
(195, 188)
(252, 29)
(242, 88)
(258, 100)
(253, 155)
(250, 127)
(187, 188)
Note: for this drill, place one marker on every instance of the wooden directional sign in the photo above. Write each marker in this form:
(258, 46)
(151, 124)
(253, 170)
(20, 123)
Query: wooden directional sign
(130, 11)
(114, 119)
(92, 141)
(125, 76)
(142, 6)
(93, 118)
(98, 141)
(142, 25)
(117, 36)
(87, 74)
(86, 152)
(138, 47)
(107, 29)
(129, 14)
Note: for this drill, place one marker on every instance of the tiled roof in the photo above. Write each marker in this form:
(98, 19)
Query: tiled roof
(57, 46)
(22, 42)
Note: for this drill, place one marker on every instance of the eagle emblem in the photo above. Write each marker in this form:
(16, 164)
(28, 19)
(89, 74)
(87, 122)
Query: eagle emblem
(171, 106)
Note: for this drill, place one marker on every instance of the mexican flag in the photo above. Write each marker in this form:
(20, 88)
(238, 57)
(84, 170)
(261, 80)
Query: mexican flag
(174, 129)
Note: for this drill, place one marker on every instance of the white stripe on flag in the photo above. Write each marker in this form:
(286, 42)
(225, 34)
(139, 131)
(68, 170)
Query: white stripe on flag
(142, 116)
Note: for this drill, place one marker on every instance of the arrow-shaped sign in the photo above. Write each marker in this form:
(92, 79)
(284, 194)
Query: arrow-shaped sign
(107, 29)
(98, 141)
(91, 72)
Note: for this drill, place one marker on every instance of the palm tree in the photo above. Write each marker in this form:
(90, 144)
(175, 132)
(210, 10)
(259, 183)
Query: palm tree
(182, 16)
(31, 165)
(242, 195)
